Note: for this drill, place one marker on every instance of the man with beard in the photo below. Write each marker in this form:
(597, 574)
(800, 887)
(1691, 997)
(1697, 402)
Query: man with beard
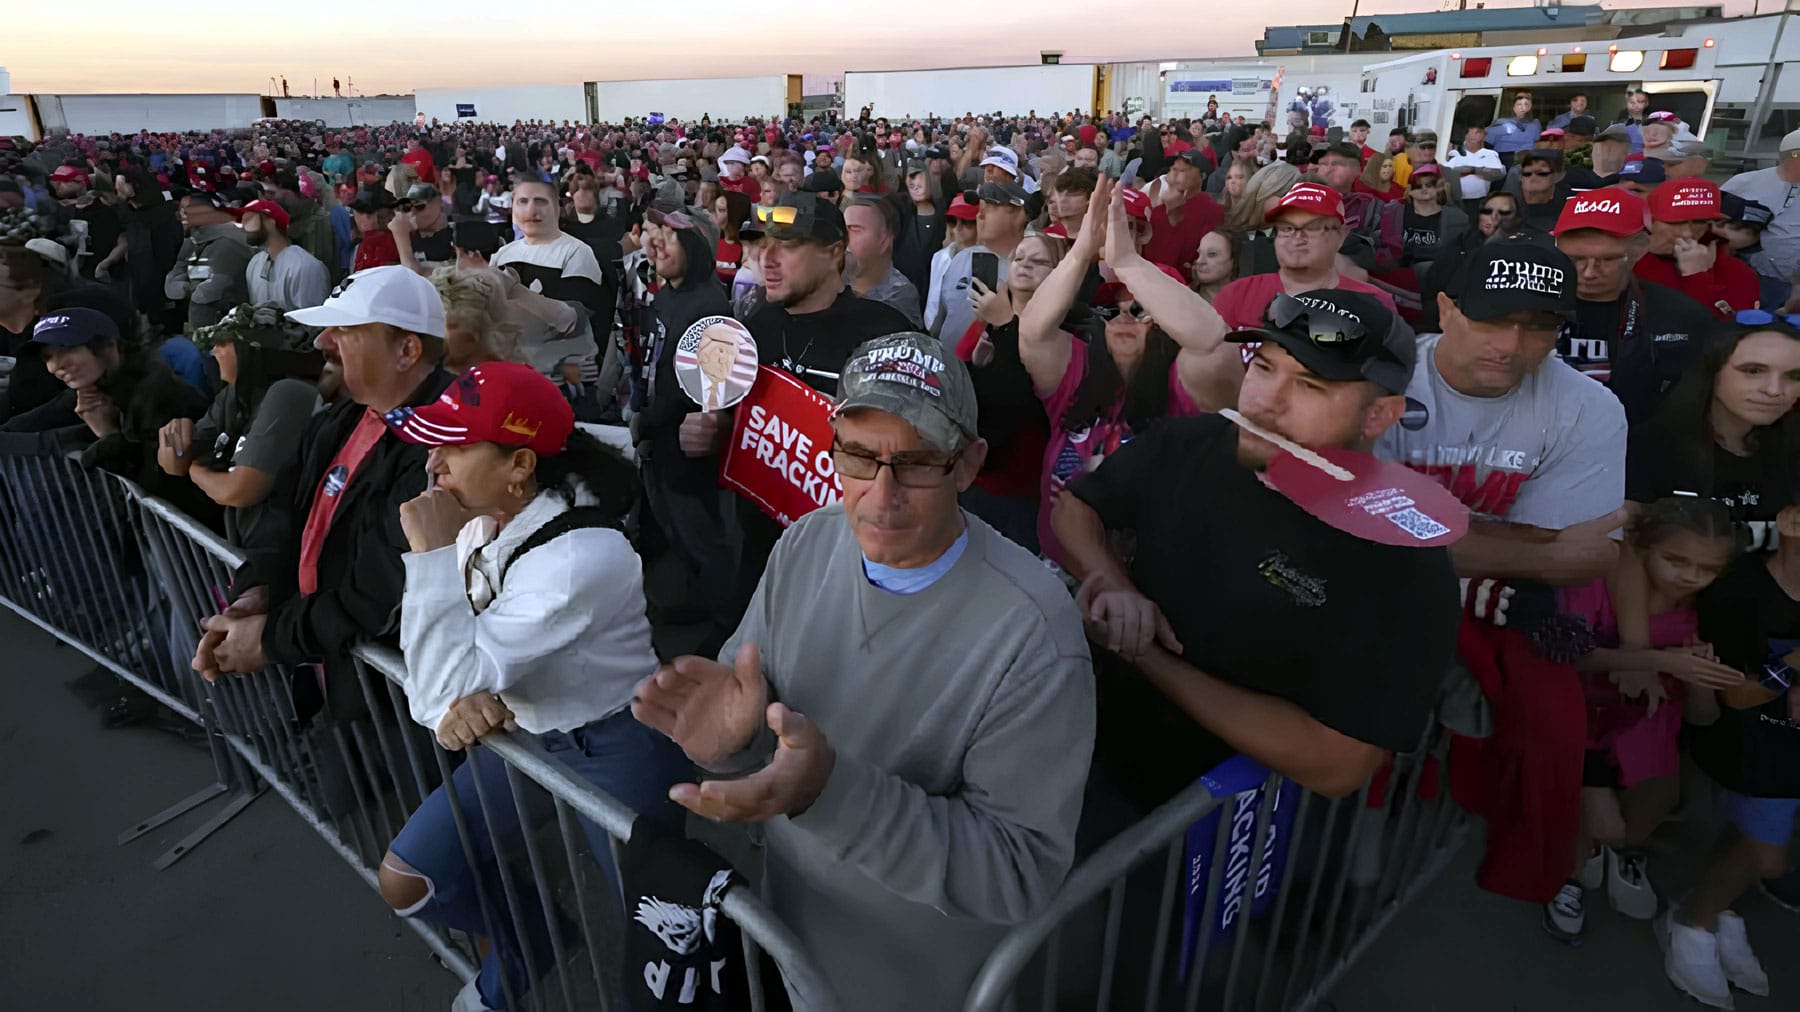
(280, 272)
(811, 325)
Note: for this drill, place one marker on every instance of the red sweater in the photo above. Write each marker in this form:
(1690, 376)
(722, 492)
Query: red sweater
(1731, 285)
(1177, 244)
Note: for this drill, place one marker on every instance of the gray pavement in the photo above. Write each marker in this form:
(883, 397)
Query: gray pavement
(262, 916)
(1459, 949)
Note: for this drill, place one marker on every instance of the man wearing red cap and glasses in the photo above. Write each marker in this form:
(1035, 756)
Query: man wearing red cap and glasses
(1635, 336)
(1684, 253)
(1309, 225)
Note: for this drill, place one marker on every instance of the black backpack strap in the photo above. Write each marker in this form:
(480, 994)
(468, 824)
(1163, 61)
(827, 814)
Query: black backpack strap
(574, 519)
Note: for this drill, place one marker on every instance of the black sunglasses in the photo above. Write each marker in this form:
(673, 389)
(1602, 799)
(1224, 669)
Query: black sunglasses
(1135, 310)
(1538, 172)
(1494, 210)
(1324, 326)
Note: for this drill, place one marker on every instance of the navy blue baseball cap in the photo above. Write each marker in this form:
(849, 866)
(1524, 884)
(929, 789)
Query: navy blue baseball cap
(74, 327)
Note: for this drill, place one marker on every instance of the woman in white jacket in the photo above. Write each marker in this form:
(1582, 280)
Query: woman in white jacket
(523, 610)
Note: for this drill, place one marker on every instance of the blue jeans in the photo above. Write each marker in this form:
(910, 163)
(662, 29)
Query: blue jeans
(616, 754)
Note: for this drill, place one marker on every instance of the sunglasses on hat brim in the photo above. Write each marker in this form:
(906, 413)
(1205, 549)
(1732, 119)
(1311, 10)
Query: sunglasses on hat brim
(1325, 327)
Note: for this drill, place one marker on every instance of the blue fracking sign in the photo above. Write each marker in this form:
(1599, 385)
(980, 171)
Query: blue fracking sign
(1248, 881)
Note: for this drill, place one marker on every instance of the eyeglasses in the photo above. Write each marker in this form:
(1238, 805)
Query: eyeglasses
(1538, 172)
(1325, 326)
(1134, 311)
(1583, 263)
(1762, 318)
(1494, 210)
(907, 472)
(1313, 230)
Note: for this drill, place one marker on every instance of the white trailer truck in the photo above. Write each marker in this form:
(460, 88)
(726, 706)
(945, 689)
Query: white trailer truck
(1448, 90)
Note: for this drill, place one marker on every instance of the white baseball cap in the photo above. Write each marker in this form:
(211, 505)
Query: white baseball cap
(1003, 157)
(1791, 142)
(393, 295)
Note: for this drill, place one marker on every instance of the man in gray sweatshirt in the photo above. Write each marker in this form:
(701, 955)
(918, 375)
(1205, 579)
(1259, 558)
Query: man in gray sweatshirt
(907, 707)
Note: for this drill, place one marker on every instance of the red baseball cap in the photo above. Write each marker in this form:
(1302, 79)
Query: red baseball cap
(1686, 200)
(961, 208)
(1137, 202)
(1056, 230)
(1313, 198)
(1109, 292)
(509, 403)
(1610, 209)
(1662, 116)
(268, 209)
(69, 174)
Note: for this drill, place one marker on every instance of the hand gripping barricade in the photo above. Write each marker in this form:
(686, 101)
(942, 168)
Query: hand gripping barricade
(127, 579)
(1266, 894)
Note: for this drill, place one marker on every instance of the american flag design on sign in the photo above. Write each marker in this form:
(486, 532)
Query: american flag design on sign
(704, 391)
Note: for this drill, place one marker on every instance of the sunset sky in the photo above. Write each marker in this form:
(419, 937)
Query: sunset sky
(121, 46)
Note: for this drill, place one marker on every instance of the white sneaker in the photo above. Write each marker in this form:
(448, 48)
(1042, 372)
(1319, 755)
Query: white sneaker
(1593, 873)
(1628, 886)
(1741, 966)
(1565, 916)
(469, 999)
(1691, 959)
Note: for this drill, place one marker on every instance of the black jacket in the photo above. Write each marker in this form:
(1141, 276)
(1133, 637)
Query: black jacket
(360, 573)
(148, 396)
(677, 307)
(152, 240)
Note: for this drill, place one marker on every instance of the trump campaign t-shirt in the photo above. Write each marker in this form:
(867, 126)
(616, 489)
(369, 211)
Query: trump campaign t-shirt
(1549, 454)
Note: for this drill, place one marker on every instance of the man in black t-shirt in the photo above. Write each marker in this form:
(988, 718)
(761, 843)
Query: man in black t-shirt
(421, 229)
(1635, 336)
(1307, 649)
(811, 325)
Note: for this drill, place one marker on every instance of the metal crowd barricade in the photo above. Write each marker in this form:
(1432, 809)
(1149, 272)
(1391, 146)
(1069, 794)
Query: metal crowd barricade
(127, 579)
(1273, 931)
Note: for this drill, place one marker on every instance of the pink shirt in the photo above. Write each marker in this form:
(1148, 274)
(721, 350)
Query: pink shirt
(1069, 454)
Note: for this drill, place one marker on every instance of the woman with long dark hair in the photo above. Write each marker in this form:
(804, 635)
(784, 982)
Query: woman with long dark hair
(1120, 368)
(523, 610)
(1728, 430)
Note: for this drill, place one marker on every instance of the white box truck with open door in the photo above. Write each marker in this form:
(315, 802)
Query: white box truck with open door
(1448, 90)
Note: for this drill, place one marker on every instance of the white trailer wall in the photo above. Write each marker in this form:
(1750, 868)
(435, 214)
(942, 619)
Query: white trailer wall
(1010, 90)
(723, 98)
(1743, 46)
(504, 104)
(104, 114)
(346, 112)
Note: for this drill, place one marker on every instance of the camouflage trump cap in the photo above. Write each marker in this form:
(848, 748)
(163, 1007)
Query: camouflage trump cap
(910, 375)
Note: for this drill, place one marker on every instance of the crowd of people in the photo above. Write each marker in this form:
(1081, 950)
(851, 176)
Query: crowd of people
(1054, 591)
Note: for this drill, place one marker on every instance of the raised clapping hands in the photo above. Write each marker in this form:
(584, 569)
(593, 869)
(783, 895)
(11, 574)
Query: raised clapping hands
(713, 712)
